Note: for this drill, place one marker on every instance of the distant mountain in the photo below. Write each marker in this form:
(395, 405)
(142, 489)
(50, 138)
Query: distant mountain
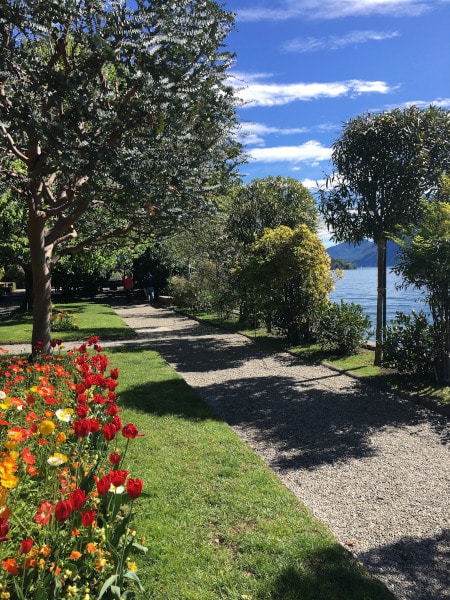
(364, 255)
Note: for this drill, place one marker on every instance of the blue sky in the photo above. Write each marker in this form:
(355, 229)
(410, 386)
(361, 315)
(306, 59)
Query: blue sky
(305, 67)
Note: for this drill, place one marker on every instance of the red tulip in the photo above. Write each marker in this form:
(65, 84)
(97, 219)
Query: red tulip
(130, 431)
(26, 545)
(118, 477)
(134, 488)
(88, 518)
(77, 499)
(103, 485)
(63, 510)
(109, 431)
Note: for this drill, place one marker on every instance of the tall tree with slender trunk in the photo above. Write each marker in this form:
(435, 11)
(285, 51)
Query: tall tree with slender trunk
(119, 117)
(384, 163)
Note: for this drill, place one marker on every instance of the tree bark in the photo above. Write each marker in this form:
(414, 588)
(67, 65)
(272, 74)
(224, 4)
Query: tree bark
(381, 300)
(41, 255)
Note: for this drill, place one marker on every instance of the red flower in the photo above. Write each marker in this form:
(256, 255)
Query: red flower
(130, 431)
(26, 545)
(88, 518)
(109, 431)
(11, 566)
(93, 340)
(114, 373)
(44, 513)
(63, 510)
(27, 456)
(103, 484)
(114, 458)
(94, 424)
(82, 411)
(117, 421)
(82, 427)
(77, 499)
(118, 477)
(134, 488)
(4, 528)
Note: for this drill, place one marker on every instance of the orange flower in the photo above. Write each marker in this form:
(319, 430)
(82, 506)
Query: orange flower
(91, 548)
(11, 566)
(75, 555)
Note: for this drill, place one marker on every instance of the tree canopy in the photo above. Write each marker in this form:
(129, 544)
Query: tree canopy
(119, 118)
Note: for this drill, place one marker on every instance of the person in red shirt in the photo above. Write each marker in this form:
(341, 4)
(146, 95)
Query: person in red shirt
(128, 286)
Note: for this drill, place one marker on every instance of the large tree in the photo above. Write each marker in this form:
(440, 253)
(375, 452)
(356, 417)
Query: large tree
(383, 164)
(119, 117)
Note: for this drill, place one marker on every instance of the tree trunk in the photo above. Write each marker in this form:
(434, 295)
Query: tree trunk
(42, 301)
(381, 300)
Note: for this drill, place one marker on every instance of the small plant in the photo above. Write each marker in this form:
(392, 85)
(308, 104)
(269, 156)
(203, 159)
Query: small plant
(409, 344)
(63, 320)
(342, 327)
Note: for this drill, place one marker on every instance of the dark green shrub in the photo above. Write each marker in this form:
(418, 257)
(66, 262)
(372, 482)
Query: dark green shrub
(409, 344)
(342, 327)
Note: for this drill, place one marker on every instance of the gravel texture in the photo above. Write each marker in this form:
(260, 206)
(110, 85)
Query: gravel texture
(374, 468)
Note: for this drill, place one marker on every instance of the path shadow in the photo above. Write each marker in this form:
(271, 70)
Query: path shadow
(423, 564)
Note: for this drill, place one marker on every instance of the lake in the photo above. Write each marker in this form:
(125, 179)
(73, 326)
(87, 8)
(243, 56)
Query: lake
(360, 286)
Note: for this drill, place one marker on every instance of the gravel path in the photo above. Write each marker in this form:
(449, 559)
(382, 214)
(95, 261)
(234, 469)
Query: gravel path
(373, 467)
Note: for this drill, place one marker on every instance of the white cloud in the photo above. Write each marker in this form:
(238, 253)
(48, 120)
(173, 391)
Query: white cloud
(312, 184)
(310, 152)
(277, 94)
(439, 103)
(334, 9)
(337, 42)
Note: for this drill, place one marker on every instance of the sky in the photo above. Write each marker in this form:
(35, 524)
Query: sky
(306, 67)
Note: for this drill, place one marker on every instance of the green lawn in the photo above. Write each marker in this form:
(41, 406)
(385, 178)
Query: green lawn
(91, 318)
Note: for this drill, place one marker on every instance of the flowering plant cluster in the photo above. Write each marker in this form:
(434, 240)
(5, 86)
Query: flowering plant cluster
(66, 500)
(63, 320)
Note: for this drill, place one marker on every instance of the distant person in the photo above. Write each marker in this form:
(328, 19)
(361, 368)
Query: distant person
(128, 286)
(149, 287)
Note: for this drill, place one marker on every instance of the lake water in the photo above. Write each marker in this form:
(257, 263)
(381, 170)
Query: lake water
(360, 286)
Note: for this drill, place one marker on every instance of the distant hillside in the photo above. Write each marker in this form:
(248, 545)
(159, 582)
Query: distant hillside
(364, 255)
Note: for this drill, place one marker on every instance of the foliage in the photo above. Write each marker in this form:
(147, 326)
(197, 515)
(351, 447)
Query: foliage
(63, 320)
(67, 501)
(409, 344)
(424, 261)
(383, 164)
(120, 117)
(342, 327)
(268, 203)
(286, 275)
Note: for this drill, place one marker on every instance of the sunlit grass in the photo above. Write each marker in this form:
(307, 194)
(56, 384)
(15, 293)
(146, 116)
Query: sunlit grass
(90, 318)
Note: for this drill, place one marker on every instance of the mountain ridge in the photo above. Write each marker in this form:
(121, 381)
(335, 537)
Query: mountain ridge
(363, 254)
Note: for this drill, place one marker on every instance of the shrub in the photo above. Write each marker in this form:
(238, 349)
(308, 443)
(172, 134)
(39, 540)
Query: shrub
(63, 320)
(409, 344)
(342, 327)
(66, 501)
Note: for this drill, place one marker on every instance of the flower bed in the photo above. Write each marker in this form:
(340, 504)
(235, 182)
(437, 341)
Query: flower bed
(66, 500)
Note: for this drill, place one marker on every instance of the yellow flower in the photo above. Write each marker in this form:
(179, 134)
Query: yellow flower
(46, 427)
(132, 566)
(6, 400)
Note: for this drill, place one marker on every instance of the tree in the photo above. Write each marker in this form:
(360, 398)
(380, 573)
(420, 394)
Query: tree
(424, 261)
(384, 163)
(287, 274)
(270, 202)
(120, 117)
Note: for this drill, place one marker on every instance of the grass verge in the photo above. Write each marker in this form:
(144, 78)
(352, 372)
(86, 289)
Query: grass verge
(217, 522)
(91, 318)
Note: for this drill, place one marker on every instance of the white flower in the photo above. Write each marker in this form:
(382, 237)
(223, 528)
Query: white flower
(64, 414)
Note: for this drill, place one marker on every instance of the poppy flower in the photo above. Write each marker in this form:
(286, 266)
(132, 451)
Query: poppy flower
(44, 513)
(11, 566)
(134, 488)
(130, 431)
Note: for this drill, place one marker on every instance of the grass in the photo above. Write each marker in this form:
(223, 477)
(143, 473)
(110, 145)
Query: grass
(91, 318)
(360, 364)
(217, 522)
